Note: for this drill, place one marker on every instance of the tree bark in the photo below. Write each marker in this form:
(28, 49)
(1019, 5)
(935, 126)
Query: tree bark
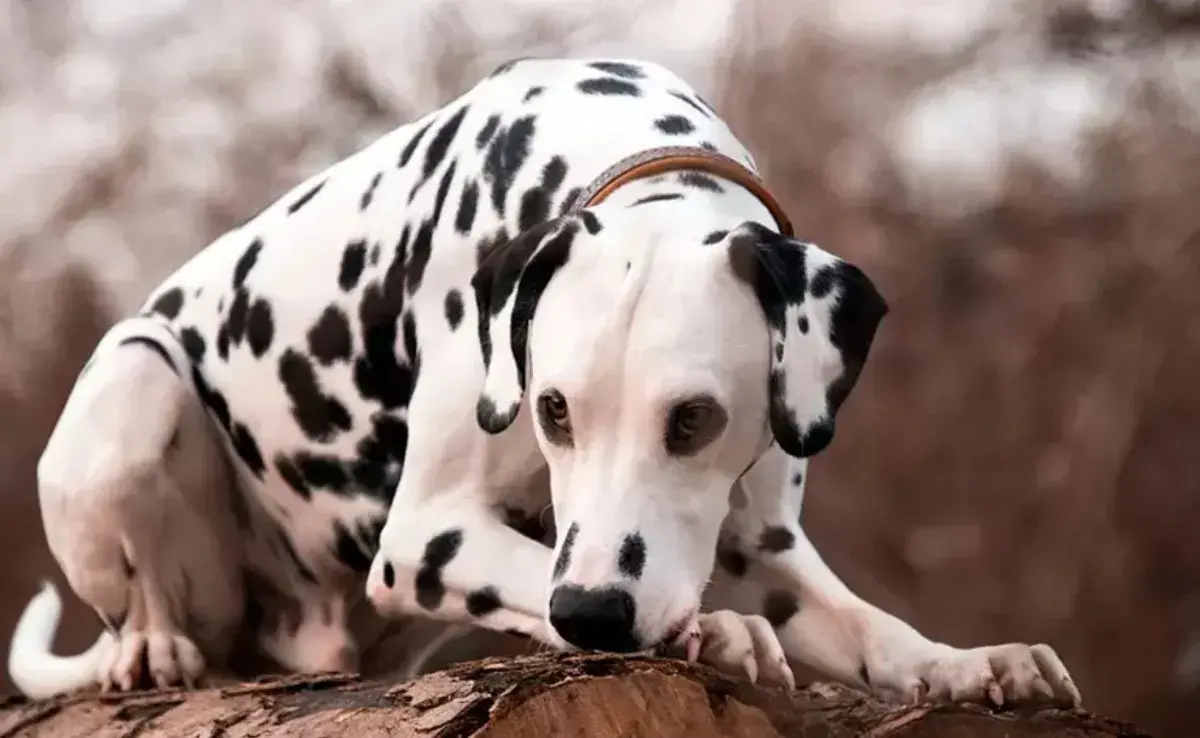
(580, 696)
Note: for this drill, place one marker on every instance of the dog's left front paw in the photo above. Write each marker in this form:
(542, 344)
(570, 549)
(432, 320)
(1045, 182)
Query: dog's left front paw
(737, 643)
(1011, 674)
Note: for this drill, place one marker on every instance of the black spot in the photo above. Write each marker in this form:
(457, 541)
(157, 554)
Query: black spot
(211, 398)
(389, 575)
(691, 103)
(533, 92)
(369, 195)
(657, 197)
(440, 143)
(349, 550)
(505, 157)
(260, 328)
(168, 303)
(353, 262)
(802, 324)
(631, 560)
(320, 416)
(535, 203)
(674, 125)
(290, 474)
(439, 201)
(701, 181)
(776, 539)
(823, 282)
(715, 237)
(329, 337)
(193, 343)
(375, 253)
(381, 457)
(411, 147)
(422, 250)
(483, 601)
(797, 479)
(378, 372)
(247, 449)
(246, 262)
(619, 69)
(439, 552)
(489, 417)
(779, 352)
(779, 607)
(564, 555)
(468, 203)
(863, 674)
(454, 309)
(571, 200)
(223, 342)
(590, 222)
(608, 86)
(490, 126)
(303, 199)
(707, 145)
(732, 560)
(239, 312)
(322, 472)
(151, 344)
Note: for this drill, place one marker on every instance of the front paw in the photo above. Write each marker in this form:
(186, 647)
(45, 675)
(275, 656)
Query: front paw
(737, 644)
(1013, 674)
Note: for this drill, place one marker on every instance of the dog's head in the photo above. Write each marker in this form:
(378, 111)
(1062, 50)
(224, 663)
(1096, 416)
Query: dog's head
(656, 370)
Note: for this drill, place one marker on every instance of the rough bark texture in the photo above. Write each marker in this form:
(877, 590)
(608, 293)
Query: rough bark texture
(570, 696)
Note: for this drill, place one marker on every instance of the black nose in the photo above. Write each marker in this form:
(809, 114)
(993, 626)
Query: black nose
(594, 619)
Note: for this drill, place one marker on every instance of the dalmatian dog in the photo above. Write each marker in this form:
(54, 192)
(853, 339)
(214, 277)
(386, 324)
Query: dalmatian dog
(565, 292)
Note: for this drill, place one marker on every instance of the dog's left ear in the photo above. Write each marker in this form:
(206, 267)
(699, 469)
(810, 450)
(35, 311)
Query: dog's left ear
(821, 315)
(507, 285)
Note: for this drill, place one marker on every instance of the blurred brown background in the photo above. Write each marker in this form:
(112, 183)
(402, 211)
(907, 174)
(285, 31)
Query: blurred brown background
(1022, 459)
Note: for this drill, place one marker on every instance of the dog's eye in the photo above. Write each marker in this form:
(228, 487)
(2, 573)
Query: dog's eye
(556, 419)
(693, 425)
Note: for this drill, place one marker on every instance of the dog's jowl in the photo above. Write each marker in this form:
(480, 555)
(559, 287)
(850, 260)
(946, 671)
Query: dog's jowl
(572, 268)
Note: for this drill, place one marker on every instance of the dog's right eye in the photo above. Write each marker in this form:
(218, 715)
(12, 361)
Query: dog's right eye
(556, 419)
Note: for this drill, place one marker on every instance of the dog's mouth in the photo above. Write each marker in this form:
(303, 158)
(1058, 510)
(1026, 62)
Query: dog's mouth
(678, 635)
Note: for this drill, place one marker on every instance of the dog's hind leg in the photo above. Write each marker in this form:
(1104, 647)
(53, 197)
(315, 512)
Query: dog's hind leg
(140, 511)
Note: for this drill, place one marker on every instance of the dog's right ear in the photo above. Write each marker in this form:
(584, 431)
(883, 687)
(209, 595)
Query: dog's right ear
(507, 285)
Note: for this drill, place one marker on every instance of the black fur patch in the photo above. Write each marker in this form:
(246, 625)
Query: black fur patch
(590, 222)
(381, 457)
(349, 550)
(369, 195)
(691, 103)
(506, 156)
(353, 262)
(410, 148)
(802, 325)
(305, 198)
(608, 86)
(389, 575)
(701, 182)
(260, 328)
(440, 143)
(320, 416)
(619, 69)
(797, 479)
(290, 474)
(418, 259)
(193, 344)
(329, 338)
(776, 539)
(246, 262)
(532, 93)
(439, 552)
(247, 449)
(732, 560)
(570, 200)
(564, 555)
(490, 126)
(715, 237)
(535, 202)
(169, 303)
(454, 309)
(322, 472)
(657, 197)
(468, 204)
(631, 560)
(674, 125)
(378, 373)
(483, 601)
(779, 607)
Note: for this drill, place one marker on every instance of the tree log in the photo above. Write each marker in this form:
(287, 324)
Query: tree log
(581, 696)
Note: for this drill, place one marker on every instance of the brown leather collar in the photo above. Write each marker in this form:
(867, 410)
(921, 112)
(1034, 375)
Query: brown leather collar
(676, 158)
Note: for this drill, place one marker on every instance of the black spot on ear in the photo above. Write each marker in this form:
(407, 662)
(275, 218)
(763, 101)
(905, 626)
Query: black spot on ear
(193, 344)
(537, 274)
(260, 328)
(532, 93)
(776, 539)
(483, 601)
(732, 560)
(691, 103)
(329, 338)
(169, 303)
(410, 148)
(353, 262)
(779, 607)
(246, 262)
(802, 325)
(247, 449)
(715, 237)
(439, 552)
(619, 69)
(290, 473)
(349, 550)
(389, 575)
(468, 203)
(853, 323)
(631, 560)
(564, 555)
(304, 199)
(608, 86)
(490, 126)
(674, 125)
(700, 181)
(320, 416)
(369, 195)
(454, 309)
(657, 197)
(590, 222)
(151, 344)
(506, 156)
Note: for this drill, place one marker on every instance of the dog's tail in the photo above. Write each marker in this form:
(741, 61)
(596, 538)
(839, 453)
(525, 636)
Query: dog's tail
(38, 672)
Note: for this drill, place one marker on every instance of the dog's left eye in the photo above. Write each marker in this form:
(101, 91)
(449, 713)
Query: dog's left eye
(692, 425)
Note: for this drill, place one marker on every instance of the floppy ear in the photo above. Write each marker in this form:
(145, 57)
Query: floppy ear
(507, 285)
(821, 315)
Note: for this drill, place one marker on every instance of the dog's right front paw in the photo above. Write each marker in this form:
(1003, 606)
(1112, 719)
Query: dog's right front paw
(737, 643)
(173, 660)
